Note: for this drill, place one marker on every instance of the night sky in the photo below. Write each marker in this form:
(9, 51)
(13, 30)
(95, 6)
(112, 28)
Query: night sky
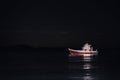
(60, 23)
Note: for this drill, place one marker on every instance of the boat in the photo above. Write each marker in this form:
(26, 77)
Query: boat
(87, 50)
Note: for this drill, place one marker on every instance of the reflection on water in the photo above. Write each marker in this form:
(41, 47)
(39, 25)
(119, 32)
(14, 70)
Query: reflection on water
(88, 78)
(82, 69)
(87, 58)
(87, 66)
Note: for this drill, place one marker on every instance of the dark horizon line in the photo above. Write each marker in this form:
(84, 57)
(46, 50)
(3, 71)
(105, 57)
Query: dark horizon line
(53, 47)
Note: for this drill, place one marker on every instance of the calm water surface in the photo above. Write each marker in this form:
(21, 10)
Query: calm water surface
(54, 65)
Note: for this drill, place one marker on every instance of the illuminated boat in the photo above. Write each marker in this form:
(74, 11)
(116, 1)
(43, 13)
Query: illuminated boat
(87, 50)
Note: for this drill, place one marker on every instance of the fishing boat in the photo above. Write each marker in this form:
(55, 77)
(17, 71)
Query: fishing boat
(87, 50)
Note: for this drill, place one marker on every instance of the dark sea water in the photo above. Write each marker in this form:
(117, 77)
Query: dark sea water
(54, 64)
